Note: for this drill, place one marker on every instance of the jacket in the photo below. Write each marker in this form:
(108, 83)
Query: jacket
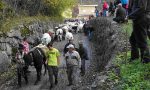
(73, 59)
(124, 1)
(83, 53)
(121, 13)
(138, 8)
(105, 6)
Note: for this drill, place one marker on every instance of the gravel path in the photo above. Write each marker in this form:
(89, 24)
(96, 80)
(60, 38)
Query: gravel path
(62, 76)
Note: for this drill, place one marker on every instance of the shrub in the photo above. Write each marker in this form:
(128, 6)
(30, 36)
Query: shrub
(57, 7)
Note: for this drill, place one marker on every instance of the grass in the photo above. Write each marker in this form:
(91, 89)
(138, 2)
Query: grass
(127, 28)
(132, 75)
(13, 22)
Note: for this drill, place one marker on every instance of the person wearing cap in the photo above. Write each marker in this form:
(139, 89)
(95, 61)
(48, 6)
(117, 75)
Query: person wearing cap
(73, 63)
(120, 14)
(53, 60)
(65, 48)
(83, 54)
(21, 67)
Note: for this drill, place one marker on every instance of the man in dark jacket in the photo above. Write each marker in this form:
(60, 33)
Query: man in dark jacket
(120, 14)
(139, 12)
(83, 54)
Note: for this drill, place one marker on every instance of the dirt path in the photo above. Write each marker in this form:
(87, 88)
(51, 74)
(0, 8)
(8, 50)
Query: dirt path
(62, 76)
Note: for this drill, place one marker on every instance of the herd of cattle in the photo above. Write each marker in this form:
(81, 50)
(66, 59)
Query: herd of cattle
(63, 31)
(37, 54)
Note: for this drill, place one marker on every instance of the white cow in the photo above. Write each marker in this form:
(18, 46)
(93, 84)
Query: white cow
(46, 38)
(59, 33)
(69, 36)
(66, 28)
(80, 27)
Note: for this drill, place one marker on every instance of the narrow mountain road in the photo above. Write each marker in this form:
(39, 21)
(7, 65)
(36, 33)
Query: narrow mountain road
(62, 76)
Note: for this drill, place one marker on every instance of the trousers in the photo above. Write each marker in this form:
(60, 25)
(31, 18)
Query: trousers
(73, 74)
(138, 40)
(83, 66)
(53, 72)
(22, 72)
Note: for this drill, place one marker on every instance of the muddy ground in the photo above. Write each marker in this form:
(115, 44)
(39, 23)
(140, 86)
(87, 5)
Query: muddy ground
(62, 76)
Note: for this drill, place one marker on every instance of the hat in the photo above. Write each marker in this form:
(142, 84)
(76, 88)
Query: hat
(70, 46)
(119, 4)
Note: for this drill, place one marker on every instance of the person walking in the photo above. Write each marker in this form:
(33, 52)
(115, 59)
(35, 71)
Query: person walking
(65, 48)
(139, 12)
(96, 12)
(111, 8)
(105, 8)
(73, 63)
(53, 60)
(84, 56)
(21, 67)
(26, 51)
(26, 46)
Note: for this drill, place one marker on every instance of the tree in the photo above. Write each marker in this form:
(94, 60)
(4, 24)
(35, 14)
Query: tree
(56, 7)
(1, 5)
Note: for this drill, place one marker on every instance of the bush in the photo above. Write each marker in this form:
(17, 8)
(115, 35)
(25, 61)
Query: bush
(133, 76)
(25, 31)
(57, 7)
(1, 5)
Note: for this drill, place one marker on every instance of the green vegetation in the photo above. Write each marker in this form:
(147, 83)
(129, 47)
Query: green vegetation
(57, 7)
(1, 5)
(10, 23)
(130, 75)
(4, 77)
(25, 31)
(67, 13)
(50, 10)
(127, 28)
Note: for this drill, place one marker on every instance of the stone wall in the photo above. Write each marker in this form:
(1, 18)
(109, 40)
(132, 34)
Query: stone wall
(10, 41)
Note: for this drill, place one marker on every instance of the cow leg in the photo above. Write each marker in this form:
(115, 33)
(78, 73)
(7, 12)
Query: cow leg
(60, 37)
(25, 74)
(45, 67)
(19, 77)
(38, 70)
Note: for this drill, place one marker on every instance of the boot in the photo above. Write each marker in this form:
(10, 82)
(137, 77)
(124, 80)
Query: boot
(134, 55)
(145, 56)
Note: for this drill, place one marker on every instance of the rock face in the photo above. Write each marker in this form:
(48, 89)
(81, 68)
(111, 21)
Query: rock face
(4, 61)
(10, 41)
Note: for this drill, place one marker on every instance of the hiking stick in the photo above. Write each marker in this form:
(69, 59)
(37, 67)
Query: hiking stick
(126, 56)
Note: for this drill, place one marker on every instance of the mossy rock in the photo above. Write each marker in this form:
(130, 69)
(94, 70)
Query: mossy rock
(25, 31)
(14, 51)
